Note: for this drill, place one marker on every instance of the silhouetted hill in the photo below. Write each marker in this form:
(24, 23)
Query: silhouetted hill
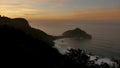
(17, 47)
(20, 44)
(22, 24)
(76, 33)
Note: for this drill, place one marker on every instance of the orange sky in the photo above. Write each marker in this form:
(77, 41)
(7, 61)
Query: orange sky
(79, 10)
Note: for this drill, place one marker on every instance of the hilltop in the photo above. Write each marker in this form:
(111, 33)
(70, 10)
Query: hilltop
(22, 24)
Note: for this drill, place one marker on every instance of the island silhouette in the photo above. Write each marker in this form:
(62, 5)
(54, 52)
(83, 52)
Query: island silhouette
(77, 33)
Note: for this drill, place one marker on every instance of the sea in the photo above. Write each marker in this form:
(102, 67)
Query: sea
(105, 36)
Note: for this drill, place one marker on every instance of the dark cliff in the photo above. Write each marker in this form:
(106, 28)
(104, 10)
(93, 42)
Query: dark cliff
(22, 24)
(21, 45)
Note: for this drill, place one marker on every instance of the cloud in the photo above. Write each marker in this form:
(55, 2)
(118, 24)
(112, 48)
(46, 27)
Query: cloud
(17, 7)
(89, 15)
(17, 10)
(54, 3)
(97, 14)
(60, 3)
(5, 4)
(39, 1)
(33, 8)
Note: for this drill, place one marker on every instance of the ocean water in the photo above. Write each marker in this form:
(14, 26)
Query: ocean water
(105, 41)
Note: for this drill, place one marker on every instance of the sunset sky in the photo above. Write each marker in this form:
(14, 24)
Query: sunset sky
(81, 10)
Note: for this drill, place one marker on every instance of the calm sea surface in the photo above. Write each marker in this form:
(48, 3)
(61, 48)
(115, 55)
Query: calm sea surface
(105, 42)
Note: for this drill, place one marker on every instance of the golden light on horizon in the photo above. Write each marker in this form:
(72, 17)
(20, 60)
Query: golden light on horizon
(58, 10)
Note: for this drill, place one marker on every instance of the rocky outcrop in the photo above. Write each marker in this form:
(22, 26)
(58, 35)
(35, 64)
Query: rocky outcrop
(76, 33)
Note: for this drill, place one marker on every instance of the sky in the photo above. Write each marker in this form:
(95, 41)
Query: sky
(76, 10)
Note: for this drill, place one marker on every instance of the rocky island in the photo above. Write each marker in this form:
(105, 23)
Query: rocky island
(76, 33)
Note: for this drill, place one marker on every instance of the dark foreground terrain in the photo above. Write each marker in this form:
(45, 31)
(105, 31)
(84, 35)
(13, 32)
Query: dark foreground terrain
(24, 46)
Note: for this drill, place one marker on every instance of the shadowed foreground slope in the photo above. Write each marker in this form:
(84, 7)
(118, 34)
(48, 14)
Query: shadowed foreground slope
(19, 44)
(23, 46)
(22, 24)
